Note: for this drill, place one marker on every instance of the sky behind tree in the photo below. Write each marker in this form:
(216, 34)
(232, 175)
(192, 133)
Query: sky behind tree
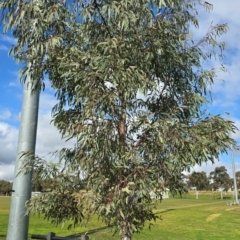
(226, 93)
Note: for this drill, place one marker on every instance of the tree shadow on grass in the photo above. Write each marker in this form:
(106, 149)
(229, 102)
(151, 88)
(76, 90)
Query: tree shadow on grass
(108, 227)
(90, 231)
(3, 236)
(165, 210)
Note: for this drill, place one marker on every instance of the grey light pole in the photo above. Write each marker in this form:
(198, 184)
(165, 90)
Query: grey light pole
(233, 169)
(18, 221)
(234, 178)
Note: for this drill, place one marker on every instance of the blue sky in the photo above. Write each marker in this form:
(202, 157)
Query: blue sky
(226, 94)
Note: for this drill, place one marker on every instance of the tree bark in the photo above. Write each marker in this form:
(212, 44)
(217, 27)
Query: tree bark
(122, 119)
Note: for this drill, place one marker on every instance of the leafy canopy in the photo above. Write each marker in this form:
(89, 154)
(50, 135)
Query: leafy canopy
(199, 180)
(220, 178)
(131, 90)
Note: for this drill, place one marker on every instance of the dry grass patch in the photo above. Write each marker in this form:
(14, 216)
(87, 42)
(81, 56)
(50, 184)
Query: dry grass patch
(230, 209)
(213, 216)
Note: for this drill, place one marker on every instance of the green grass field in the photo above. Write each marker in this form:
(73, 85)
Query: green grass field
(206, 218)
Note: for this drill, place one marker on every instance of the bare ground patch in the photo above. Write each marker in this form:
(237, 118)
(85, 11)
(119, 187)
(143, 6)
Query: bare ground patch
(213, 216)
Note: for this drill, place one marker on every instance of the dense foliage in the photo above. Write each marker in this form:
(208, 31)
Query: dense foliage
(238, 179)
(5, 187)
(199, 180)
(221, 179)
(131, 90)
(217, 180)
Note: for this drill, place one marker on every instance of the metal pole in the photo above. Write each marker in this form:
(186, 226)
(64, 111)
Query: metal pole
(22, 184)
(234, 178)
(50, 235)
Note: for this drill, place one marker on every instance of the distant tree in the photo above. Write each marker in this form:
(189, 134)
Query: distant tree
(48, 184)
(37, 185)
(198, 180)
(5, 187)
(131, 86)
(238, 179)
(221, 179)
(177, 187)
(231, 183)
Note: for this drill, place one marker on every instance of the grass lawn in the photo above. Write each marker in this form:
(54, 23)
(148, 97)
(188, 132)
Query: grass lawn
(206, 218)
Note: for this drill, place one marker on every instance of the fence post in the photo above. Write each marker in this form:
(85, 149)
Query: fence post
(84, 237)
(50, 235)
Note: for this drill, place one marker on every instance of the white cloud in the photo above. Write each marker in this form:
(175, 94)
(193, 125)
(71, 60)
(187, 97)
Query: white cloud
(3, 47)
(48, 137)
(5, 114)
(222, 13)
(7, 172)
(14, 84)
(207, 167)
(236, 135)
(8, 39)
(226, 94)
(226, 12)
(47, 102)
(227, 162)
(8, 143)
(229, 90)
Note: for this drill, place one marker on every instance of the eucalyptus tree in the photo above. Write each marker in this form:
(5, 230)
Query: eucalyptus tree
(5, 187)
(198, 180)
(238, 178)
(131, 90)
(221, 179)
